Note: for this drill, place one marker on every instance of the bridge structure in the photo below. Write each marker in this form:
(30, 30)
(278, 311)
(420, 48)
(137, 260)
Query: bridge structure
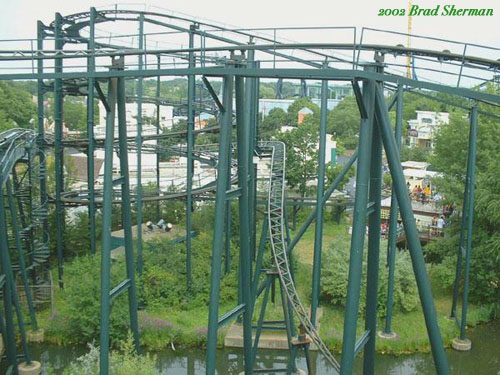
(83, 54)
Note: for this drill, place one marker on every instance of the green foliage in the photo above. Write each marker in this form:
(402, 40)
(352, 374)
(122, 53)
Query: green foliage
(17, 109)
(334, 277)
(76, 319)
(296, 106)
(163, 280)
(301, 153)
(333, 172)
(272, 123)
(344, 120)
(125, 361)
(75, 113)
(415, 153)
(387, 180)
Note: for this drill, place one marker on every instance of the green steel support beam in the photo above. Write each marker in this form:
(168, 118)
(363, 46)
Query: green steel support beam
(320, 191)
(41, 139)
(189, 159)
(243, 143)
(372, 273)
(312, 74)
(138, 142)
(418, 262)
(126, 211)
(463, 224)
(326, 196)
(158, 117)
(20, 253)
(90, 134)
(393, 220)
(471, 181)
(358, 230)
(10, 274)
(106, 227)
(58, 148)
(8, 290)
(217, 243)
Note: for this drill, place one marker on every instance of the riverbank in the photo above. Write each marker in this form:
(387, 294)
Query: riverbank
(185, 326)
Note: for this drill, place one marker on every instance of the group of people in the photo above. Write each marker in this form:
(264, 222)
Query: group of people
(420, 194)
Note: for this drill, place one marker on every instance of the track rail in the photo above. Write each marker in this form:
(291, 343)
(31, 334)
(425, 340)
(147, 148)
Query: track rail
(276, 195)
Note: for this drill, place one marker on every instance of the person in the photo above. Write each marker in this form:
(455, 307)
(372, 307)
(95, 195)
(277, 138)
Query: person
(434, 224)
(428, 191)
(440, 225)
(415, 192)
(383, 229)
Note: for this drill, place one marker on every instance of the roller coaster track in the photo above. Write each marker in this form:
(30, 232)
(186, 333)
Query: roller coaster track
(276, 196)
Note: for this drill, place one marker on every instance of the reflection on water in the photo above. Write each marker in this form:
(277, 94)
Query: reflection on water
(483, 359)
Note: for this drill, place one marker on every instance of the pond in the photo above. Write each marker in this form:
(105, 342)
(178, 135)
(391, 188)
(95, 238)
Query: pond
(483, 359)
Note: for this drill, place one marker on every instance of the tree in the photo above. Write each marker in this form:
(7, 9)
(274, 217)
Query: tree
(344, 119)
(296, 106)
(333, 171)
(272, 123)
(17, 109)
(450, 158)
(301, 153)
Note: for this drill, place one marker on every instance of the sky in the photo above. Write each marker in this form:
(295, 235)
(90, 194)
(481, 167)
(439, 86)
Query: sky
(18, 17)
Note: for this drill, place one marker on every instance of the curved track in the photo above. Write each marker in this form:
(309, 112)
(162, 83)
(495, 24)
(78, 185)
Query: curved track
(276, 196)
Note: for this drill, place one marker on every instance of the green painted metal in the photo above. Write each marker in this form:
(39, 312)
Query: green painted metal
(189, 159)
(138, 142)
(471, 181)
(393, 220)
(220, 202)
(8, 290)
(423, 283)
(358, 230)
(372, 273)
(90, 134)
(318, 232)
(158, 94)
(243, 151)
(58, 149)
(20, 255)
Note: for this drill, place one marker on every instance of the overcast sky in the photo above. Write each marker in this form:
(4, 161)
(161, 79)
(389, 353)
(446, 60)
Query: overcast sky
(18, 17)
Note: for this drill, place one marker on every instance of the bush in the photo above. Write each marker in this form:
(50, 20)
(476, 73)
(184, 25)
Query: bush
(77, 319)
(126, 361)
(335, 272)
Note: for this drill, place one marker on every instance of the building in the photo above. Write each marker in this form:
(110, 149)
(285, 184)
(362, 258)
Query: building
(422, 129)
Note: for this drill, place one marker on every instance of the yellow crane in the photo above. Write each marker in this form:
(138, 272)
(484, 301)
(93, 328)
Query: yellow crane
(408, 57)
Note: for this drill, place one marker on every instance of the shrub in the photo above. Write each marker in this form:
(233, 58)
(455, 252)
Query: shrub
(125, 361)
(79, 312)
(335, 272)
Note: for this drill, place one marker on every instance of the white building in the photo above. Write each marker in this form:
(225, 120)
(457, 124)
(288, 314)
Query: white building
(423, 128)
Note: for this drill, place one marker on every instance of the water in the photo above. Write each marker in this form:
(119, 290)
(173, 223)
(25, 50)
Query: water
(483, 359)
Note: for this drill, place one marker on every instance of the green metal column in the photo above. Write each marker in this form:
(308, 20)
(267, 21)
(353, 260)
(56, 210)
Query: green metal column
(220, 202)
(41, 141)
(372, 273)
(463, 225)
(90, 132)
(106, 226)
(58, 149)
(189, 159)
(138, 142)
(126, 210)
(393, 222)
(8, 289)
(158, 93)
(418, 262)
(243, 143)
(320, 190)
(20, 253)
(471, 181)
(358, 230)
(22, 270)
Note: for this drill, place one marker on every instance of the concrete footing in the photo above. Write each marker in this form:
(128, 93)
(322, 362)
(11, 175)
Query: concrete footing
(34, 368)
(35, 336)
(387, 336)
(461, 345)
